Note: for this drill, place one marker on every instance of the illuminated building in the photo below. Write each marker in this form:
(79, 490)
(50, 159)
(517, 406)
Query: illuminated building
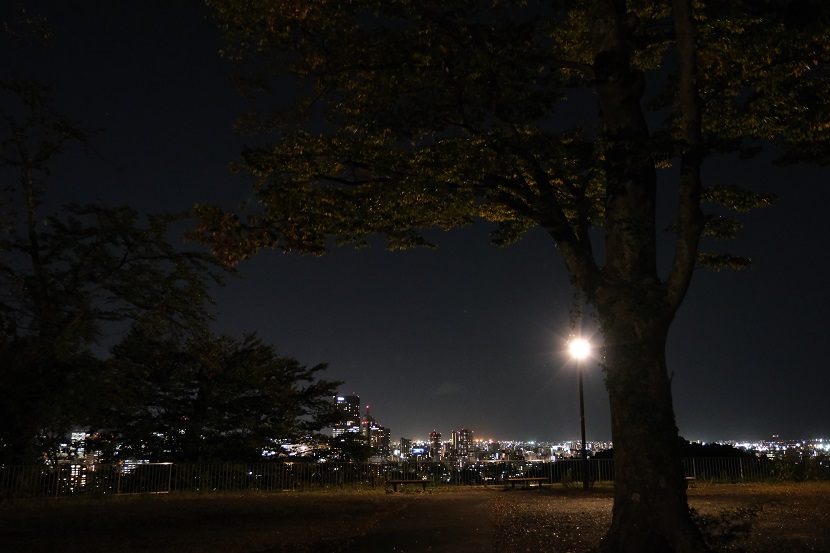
(349, 406)
(462, 442)
(377, 436)
(436, 448)
(406, 447)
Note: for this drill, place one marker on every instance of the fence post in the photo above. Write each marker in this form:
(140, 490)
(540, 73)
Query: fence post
(57, 478)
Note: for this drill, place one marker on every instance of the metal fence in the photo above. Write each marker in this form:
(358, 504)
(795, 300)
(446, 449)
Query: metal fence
(69, 479)
(302, 475)
(94, 480)
(731, 470)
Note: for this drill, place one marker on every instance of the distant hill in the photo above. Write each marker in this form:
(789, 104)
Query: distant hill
(695, 450)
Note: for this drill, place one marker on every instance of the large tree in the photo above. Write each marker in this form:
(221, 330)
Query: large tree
(392, 117)
(71, 278)
(214, 398)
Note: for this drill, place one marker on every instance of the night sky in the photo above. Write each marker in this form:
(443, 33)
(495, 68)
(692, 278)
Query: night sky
(468, 336)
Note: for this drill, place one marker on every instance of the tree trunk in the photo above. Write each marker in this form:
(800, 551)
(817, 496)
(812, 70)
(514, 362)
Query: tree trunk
(650, 511)
(635, 310)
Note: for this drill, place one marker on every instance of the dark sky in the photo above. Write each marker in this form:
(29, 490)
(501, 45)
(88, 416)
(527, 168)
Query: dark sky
(468, 336)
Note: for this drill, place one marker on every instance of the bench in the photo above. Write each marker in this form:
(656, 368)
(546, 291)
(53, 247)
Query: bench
(527, 481)
(395, 483)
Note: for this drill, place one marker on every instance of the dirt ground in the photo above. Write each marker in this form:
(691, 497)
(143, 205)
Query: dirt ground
(779, 518)
(748, 518)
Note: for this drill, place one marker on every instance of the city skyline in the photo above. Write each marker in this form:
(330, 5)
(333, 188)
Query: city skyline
(468, 334)
(448, 429)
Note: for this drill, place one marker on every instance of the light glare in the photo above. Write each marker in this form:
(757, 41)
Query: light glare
(579, 348)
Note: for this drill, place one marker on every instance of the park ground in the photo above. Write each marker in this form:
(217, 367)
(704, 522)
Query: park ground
(777, 518)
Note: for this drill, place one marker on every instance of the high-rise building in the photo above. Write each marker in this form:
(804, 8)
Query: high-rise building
(406, 447)
(462, 442)
(377, 436)
(383, 441)
(436, 447)
(349, 407)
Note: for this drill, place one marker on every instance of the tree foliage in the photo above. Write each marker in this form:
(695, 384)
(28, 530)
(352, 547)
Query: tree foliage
(352, 447)
(78, 280)
(425, 114)
(214, 398)
(71, 277)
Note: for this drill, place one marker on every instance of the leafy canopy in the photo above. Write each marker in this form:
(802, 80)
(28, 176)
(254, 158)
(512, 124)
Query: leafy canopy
(71, 278)
(394, 117)
(214, 398)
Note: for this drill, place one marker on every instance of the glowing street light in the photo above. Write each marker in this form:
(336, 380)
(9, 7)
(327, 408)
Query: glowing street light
(581, 349)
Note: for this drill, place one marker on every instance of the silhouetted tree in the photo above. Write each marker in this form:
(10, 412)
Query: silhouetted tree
(70, 276)
(215, 398)
(413, 115)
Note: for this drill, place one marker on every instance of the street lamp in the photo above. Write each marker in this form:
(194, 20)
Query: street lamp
(580, 349)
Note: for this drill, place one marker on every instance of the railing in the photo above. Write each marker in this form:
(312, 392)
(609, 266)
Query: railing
(730, 470)
(68, 479)
(94, 480)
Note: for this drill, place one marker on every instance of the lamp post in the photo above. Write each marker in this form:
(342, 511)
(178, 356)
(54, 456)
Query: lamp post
(580, 349)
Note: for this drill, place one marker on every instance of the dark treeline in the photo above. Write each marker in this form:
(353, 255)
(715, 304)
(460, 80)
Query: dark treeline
(104, 315)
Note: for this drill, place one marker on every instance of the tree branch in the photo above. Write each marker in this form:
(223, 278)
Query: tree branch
(690, 221)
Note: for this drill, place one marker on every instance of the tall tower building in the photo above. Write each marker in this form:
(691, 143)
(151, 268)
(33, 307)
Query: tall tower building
(377, 436)
(406, 447)
(436, 447)
(349, 407)
(383, 439)
(462, 442)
